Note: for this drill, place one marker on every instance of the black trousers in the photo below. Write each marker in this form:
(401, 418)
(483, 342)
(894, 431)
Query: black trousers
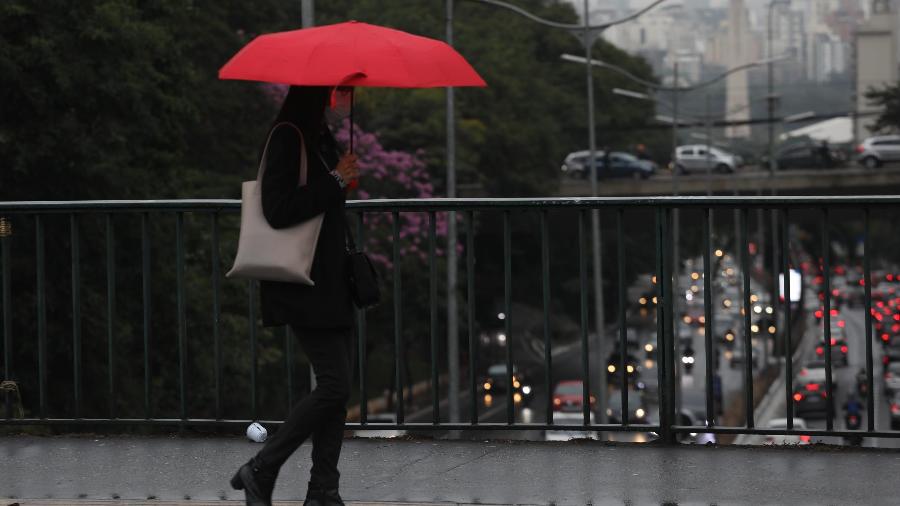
(322, 413)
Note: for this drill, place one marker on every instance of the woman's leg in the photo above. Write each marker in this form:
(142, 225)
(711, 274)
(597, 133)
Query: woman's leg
(324, 408)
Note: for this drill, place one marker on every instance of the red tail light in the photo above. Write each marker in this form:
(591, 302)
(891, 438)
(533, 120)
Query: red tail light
(884, 359)
(895, 328)
(862, 282)
(805, 439)
(834, 312)
(897, 317)
(895, 408)
(843, 324)
(819, 314)
(819, 350)
(835, 292)
(833, 341)
(812, 387)
(798, 397)
(885, 337)
(844, 349)
(879, 304)
(860, 148)
(803, 372)
(889, 277)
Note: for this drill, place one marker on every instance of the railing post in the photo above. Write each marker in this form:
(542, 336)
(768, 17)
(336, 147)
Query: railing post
(662, 352)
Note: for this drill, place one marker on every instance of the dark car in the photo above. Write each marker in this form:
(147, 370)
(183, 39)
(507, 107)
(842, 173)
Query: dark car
(895, 411)
(497, 383)
(810, 398)
(637, 411)
(620, 165)
(839, 352)
(806, 156)
(613, 364)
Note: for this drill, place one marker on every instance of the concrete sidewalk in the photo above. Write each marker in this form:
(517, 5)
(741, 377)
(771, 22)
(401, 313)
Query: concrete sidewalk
(170, 470)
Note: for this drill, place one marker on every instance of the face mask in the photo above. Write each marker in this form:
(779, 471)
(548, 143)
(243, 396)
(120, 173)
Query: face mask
(340, 106)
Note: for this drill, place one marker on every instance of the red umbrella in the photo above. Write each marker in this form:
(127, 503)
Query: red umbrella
(351, 54)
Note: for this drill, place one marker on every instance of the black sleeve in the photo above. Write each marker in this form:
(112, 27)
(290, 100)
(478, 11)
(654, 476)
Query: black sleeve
(283, 202)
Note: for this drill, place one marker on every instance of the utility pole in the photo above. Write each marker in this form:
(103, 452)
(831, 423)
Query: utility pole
(595, 219)
(452, 312)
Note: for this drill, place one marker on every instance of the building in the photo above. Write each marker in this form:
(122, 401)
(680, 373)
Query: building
(877, 62)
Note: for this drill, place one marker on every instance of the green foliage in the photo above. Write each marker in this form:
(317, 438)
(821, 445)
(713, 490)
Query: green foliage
(887, 98)
(119, 99)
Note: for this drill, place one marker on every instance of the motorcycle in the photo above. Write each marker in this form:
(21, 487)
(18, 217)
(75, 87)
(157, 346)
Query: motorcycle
(853, 421)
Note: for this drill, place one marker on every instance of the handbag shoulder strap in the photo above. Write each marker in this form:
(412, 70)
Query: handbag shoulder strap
(303, 164)
(351, 244)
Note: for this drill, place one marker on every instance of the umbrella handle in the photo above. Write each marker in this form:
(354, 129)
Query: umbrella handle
(352, 92)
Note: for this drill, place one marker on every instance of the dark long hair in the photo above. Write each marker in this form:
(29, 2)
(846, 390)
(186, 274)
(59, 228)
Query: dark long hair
(304, 106)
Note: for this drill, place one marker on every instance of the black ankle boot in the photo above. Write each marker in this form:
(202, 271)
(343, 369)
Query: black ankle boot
(256, 482)
(316, 496)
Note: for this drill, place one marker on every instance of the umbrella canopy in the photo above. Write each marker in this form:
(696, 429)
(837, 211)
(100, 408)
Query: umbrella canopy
(351, 54)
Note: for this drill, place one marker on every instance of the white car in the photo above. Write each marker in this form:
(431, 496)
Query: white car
(814, 372)
(570, 418)
(892, 377)
(781, 423)
(700, 158)
(876, 151)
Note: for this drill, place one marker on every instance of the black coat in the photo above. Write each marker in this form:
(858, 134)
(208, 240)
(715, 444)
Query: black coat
(327, 304)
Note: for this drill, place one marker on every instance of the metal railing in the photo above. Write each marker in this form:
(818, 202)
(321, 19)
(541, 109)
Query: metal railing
(36, 213)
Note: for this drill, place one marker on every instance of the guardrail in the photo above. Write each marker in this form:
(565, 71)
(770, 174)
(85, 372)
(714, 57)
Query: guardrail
(35, 214)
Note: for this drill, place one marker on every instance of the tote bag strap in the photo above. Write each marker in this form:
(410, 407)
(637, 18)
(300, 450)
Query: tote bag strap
(303, 165)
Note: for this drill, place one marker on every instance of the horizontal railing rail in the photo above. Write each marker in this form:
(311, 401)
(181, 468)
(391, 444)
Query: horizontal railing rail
(663, 234)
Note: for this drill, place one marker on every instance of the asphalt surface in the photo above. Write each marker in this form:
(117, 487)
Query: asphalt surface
(426, 471)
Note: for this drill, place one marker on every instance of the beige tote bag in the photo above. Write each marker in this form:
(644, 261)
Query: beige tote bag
(269, 254)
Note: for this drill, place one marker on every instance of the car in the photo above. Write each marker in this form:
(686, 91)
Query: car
(895, 410)
(637, 411)
(806, 156)
(875, 151)
(568, 396)
(613, 365)
(814, 372)
(810, 398)
(566, 418)
(497, 382)
(621, 164)
(693, 414)
(380, 419)
(781, 439)
(891, 355)
(700, 158)
(839, 352)
(892, 377)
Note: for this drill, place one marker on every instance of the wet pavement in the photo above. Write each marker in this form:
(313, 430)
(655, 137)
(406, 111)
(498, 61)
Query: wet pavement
(73, 470)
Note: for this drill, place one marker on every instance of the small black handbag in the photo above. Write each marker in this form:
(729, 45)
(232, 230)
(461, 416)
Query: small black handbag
(363, 277)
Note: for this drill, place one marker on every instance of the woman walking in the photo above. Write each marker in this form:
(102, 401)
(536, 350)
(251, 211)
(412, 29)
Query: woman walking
(320, 316)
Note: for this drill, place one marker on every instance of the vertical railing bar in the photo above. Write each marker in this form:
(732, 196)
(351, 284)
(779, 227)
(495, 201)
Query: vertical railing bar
(289, 365)
(217, 337)
(76, 311)
(433, 313)
(582, 273)
(7, 317)
(361, 333)
(670, 273)
(826, 267)
(251, 320)
(146, 295)
(708, 274)
(748, 335)
(665, 422)
(788, 355)
(470, 300)
(182, 323)
(507, 321)
(111, 310)
(545, 291)
(398, 316)
(41, 315)
(623, 331)
(867, 275)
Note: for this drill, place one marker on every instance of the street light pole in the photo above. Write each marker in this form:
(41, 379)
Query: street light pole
(595, 217)
(452, 309)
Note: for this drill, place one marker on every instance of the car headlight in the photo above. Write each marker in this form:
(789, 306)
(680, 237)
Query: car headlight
(608, 411)
(639, 413)
(526, 390)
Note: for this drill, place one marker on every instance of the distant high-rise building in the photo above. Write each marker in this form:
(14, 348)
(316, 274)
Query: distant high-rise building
(737, 84)
(877, 59)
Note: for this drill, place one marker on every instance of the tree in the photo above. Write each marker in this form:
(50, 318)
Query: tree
(886, 98)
